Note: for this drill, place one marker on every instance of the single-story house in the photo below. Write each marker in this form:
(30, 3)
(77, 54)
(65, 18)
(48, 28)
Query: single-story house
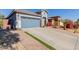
(25, 19)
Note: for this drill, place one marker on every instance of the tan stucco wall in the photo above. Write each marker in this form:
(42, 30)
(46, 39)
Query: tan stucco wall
(61, 23)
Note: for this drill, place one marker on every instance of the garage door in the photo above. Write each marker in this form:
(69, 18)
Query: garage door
(30, 22)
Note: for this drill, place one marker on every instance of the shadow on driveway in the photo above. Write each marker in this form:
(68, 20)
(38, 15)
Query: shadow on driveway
(7, 39)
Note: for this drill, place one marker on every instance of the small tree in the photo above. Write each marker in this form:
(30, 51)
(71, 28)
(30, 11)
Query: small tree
(64, 22)
(1, 17)
(77, 22)
(76, 26)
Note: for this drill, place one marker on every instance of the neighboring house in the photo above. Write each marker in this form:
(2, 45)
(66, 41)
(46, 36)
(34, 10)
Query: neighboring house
(50, 22)
(70, 24)
(5, 24)
(26, 19)
(55, 21)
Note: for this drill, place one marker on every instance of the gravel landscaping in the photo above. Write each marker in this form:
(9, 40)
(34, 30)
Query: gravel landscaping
(18, 40)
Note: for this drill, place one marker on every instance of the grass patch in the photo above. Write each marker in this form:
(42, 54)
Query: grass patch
(45, 44)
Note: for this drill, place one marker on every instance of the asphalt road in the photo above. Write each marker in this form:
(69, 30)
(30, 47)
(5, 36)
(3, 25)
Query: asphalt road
(59, 39)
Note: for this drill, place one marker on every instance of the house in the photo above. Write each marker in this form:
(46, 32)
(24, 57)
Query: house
(70, 24)
(55, 21)
(25, 19)
(50, 22)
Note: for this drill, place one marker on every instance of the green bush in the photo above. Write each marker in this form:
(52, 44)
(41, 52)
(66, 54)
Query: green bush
(1, 23)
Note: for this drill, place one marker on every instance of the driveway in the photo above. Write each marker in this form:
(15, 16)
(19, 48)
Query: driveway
(57, 38)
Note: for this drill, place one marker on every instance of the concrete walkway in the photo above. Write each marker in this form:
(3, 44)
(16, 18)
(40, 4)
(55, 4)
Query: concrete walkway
(59, 39)
(27, 43)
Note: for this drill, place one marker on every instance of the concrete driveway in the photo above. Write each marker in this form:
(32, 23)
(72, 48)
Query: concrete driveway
(59, 39)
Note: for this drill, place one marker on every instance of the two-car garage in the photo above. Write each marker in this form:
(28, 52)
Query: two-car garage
(27, 22)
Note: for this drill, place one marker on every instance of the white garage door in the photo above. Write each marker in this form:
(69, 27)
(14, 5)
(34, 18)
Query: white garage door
(30, 22)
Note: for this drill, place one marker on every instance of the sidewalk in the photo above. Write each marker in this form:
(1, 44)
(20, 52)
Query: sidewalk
(27, 43)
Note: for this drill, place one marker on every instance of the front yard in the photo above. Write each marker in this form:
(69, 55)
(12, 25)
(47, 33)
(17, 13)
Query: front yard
(38, 39)
(18, 40)
(7, 39)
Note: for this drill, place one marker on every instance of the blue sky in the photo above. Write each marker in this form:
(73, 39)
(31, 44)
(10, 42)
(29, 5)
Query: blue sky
(72, 14)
